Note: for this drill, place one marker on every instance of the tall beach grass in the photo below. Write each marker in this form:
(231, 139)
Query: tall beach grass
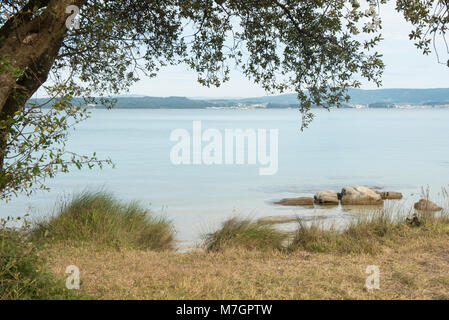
(366, 234)
(245, 233)
(100, 218)
(369, 233)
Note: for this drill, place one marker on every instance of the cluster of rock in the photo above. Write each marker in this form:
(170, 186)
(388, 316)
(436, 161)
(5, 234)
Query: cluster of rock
(355, 195)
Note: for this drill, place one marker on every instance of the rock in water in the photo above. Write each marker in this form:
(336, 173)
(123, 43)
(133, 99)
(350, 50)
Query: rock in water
(327, 197)
(358, 195)
(426, 205)
(389, 195)
(301, 201)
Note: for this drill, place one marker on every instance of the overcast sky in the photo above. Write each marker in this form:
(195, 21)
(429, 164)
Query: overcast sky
(406, 67)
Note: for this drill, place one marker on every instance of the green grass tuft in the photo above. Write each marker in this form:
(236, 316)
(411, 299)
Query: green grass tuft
(23, 272)
(245, 233)
(100, 218)
(368, 234)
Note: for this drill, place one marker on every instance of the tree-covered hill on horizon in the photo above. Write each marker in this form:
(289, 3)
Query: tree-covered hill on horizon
(381, 98)
(366, 97)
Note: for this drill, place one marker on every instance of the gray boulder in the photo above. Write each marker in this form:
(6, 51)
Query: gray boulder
(327, 197)
(358, 195)
(426, 205)
(389, 195)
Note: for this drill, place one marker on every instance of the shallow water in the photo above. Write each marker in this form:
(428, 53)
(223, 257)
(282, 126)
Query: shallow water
(399, 150)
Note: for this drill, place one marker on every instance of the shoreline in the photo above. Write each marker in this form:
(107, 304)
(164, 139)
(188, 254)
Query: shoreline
(121, 256)
(189, 234)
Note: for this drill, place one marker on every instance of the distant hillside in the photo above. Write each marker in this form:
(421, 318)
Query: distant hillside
(382, 98)
(400, 96)
(366, 97)
(161, 103)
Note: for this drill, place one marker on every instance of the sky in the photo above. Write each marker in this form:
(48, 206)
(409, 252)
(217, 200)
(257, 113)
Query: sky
(406, 67)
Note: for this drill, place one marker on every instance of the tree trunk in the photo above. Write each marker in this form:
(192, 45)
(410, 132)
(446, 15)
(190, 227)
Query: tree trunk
(30, 45)
(26, 41)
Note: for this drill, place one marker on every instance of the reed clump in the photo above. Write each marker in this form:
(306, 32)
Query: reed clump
(245, 233)
(369, 234)
(100, 218)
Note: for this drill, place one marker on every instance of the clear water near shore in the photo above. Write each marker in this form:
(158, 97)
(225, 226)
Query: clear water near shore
(399, 150)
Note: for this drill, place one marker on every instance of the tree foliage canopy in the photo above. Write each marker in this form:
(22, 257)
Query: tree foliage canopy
(317, 48)
(430, 19)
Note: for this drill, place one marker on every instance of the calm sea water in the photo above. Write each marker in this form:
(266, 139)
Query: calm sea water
(400, 150)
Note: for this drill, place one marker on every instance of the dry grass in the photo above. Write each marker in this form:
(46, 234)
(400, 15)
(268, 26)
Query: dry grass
(369, 234)
(245, 233)
(412, 255)
(414, 269)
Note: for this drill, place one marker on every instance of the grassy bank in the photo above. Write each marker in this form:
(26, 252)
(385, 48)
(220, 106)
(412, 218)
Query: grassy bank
(242, 260)
(99, 218)
(96, 220)
(370, 234)
(124, 252)
(416, 269)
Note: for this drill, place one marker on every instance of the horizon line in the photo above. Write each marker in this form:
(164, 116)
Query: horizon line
(136, 95)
